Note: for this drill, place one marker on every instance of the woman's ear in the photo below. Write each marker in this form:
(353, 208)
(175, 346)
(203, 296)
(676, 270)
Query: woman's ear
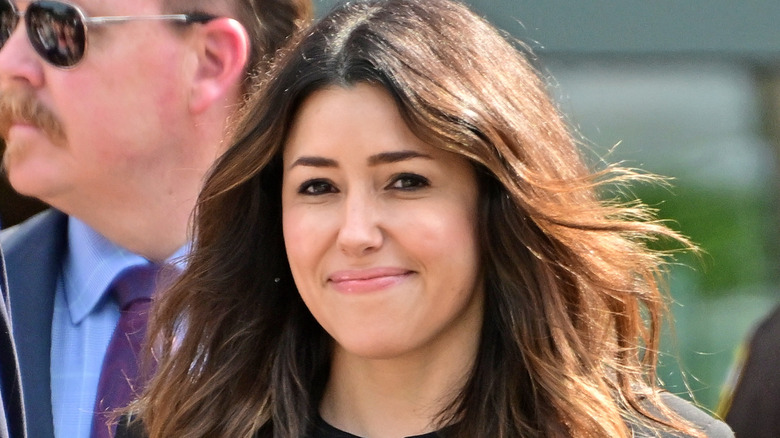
(222, 55)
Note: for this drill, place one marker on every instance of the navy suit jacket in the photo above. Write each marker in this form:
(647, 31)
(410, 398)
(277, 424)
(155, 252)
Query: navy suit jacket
(34, 252)
(11, 405)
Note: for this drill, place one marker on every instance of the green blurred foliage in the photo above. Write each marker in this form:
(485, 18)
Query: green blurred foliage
(737, 232)
(718, 295)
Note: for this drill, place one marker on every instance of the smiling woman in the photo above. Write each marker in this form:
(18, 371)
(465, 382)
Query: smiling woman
(404, 240)
(381, 233)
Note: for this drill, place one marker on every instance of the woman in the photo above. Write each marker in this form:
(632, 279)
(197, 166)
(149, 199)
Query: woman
(404, 240)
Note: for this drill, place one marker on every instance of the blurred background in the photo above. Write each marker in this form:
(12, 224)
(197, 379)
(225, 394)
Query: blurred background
(687, 89)
(690, 90)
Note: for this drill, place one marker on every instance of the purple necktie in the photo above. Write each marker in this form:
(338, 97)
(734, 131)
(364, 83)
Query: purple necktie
(119, 380)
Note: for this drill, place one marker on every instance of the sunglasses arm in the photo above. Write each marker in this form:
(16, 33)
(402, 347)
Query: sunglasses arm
(184, 18)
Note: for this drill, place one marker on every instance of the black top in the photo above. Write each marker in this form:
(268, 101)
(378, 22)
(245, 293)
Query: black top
(325, 430)
(127, 429)
(711, 427)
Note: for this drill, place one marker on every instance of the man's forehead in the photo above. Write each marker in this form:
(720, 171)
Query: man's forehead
(91, 7)
(22, 4)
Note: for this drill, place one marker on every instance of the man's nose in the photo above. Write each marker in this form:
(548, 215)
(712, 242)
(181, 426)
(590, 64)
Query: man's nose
(18, 61)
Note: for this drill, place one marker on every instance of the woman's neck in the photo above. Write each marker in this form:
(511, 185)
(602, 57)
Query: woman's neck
(392, 398)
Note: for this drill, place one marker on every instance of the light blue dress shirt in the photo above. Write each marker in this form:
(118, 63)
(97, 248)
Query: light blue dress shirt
(84, 320)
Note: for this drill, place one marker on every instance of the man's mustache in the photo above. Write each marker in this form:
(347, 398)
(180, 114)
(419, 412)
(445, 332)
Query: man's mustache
(19, 106)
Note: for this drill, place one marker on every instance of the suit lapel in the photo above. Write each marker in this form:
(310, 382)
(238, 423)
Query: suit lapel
(34, 254)
(11, 400)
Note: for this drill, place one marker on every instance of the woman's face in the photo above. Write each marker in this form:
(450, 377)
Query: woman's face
(380, 228)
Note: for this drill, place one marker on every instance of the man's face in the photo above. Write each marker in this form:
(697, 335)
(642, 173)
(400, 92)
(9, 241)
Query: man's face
(106, 130)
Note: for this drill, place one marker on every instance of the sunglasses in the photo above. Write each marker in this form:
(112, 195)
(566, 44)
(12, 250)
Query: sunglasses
(58, 31)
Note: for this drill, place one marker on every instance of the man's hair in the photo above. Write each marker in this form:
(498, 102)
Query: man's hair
(269, 23)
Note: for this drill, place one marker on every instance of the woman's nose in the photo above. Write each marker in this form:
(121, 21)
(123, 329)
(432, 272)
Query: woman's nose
(360, 232)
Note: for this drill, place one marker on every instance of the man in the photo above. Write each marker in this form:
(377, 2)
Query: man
(11, 406)
(114, 124)
(751, 400)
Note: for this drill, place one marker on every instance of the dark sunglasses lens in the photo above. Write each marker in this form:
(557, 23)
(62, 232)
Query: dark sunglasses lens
(56, 32)
(8, 20)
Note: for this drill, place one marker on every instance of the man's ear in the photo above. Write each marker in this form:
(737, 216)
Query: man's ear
(222, 54)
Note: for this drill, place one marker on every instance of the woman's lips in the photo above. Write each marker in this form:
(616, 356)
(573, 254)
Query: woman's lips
(367, 280)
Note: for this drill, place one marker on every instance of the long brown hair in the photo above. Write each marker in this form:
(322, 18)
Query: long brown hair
(573, 300)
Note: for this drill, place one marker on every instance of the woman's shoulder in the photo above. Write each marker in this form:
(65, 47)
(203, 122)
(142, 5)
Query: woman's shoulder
(712, 427)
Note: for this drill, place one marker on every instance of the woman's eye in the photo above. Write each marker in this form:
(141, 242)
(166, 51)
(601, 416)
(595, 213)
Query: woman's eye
(409, 181)
(316, 187)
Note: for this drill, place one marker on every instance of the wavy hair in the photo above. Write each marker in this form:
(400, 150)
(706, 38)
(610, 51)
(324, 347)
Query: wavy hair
(573, 292)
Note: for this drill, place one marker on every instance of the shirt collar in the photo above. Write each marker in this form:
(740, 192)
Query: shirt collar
(90, 265)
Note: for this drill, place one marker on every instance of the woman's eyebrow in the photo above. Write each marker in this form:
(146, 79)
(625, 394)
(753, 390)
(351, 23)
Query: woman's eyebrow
(374, 160)
(396, 156)
(312, 161)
